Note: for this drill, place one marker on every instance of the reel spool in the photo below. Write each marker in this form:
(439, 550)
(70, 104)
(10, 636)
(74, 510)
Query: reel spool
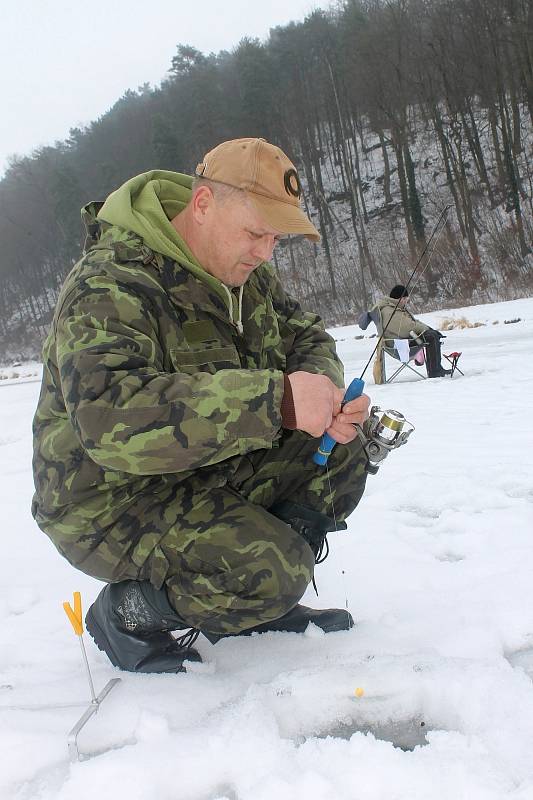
(382, 432)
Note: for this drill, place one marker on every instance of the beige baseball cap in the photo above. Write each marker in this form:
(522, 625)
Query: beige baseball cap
(267, 176)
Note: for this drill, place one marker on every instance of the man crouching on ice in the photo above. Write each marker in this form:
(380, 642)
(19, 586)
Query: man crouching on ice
(182, 397)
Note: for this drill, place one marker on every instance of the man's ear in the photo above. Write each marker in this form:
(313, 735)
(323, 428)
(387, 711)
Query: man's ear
(202, 204)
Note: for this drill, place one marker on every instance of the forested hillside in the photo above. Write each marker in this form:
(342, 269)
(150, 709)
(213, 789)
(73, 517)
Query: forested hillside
(391, 109)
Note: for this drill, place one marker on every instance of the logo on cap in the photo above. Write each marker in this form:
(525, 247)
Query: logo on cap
(292, 183)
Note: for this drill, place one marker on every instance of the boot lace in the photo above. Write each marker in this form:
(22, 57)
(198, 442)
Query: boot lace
(322, 551)
(186, 640)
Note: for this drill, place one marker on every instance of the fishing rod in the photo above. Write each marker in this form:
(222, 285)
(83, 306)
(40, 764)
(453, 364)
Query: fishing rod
(384, 430)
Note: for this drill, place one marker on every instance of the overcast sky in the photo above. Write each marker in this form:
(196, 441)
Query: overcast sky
(64, 63)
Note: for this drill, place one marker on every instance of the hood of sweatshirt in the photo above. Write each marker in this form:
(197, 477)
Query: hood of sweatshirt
(388, 301)
(145, 205)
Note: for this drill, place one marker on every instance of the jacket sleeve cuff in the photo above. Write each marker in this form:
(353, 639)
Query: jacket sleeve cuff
(288, 412)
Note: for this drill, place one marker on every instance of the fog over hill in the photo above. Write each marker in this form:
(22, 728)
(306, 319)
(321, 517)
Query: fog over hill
(397, 114)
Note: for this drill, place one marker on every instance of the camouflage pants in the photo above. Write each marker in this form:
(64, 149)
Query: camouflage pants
(227, 563)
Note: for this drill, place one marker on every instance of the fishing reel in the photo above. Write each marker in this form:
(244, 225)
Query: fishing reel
(383, 432)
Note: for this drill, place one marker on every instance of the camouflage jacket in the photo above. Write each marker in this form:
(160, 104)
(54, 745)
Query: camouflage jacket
(147, 378)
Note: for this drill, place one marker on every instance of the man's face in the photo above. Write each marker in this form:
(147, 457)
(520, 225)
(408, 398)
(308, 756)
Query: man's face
(237, 240)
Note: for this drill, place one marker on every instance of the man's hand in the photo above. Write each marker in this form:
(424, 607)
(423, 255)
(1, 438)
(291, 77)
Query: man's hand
(316, 401)
(342, 426)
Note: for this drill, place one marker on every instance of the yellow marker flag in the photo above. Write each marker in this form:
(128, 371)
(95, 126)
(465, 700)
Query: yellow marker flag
(75, 616)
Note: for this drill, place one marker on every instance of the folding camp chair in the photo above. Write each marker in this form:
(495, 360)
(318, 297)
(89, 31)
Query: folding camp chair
(399, 350)
(453, 358)
(411, 358)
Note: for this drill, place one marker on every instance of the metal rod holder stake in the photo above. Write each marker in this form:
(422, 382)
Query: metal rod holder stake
(76, 620)
(72, 738)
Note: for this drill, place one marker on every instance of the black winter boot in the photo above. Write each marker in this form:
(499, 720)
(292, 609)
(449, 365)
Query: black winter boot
(441, 372)
(299, 617)
(433, 355)
(131, 622)
(296, 621)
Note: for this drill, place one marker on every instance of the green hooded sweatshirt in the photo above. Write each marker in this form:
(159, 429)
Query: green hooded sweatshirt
(146, 204)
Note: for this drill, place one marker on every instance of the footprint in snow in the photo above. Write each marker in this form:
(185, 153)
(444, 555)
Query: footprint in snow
(423, 513)
(522, 659)
(450, 557)
(21, 599)
(9, 440)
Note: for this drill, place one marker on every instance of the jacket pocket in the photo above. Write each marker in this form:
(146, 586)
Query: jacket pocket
(207, 359)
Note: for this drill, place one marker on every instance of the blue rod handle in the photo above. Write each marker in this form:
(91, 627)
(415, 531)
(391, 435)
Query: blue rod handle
(355, 389)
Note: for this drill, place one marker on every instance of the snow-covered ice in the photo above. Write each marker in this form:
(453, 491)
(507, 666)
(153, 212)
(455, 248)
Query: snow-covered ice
(436, 567)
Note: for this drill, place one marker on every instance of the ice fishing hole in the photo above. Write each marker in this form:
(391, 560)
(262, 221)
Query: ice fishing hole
(405, 734)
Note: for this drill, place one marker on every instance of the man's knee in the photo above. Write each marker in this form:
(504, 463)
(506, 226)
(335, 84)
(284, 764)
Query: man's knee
(240, 578)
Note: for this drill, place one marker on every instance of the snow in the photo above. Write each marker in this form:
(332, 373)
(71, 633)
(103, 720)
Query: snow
(436, 568)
